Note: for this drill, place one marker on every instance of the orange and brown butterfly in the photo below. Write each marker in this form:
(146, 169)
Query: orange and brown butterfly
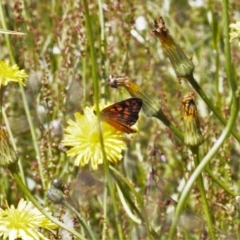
(122, 115)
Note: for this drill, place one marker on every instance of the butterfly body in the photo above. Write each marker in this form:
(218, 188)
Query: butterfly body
(122, 115)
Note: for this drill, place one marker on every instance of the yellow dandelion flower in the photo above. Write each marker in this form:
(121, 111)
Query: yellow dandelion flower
(83, 138)
(235, 31)
(11, 74)
(8, 155)
(23, 222)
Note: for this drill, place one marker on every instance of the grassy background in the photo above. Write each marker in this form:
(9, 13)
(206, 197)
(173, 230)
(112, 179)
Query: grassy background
(55, 53)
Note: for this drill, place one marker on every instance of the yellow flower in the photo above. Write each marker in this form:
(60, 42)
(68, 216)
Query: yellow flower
(8, 155)
(83, 138)
(236, 31)
(11, 74)
(23, 222)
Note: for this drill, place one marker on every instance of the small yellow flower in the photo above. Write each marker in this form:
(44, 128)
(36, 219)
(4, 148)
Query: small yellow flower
(8, 155)
(11, 74)
(236, 31)
(83, 138)
(23, 222)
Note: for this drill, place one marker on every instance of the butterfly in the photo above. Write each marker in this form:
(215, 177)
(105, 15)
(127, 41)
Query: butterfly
(122, 115)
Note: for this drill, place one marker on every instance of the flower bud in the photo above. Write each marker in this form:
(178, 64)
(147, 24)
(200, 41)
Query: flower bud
(151, 105)
(193, 136)
(8, 155)
(181, 64)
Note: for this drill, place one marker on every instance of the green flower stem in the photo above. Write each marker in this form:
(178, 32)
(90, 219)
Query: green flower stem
(219, 182)
(228, 63)
(13, 170)
(13, 144)
(30, 122)
(213, 151)
(103, 48)
(168, 124)
(142, 214)
(105, 197)
(1, 102)
(195, 152)
(105, 194)
(199, 90)
(108, 180)
(160, 115)
(225, 133)
(85, 225)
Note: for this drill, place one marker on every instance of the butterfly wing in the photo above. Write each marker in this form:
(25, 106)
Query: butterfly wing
(122, 115)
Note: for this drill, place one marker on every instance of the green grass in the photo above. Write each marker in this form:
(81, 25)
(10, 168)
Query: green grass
(62, 83)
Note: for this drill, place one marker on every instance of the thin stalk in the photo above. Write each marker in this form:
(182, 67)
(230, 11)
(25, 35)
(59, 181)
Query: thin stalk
(142, 214)
(160, 115)
(104, 228)
(25, 104)
(108, 181)
(38, 206)
(168, 124)
(219, 182)
(83, 222)
(212, 152)
(225, 133)
(13, 144)
(105, 194)
(103, 48)
(1, 102)
(195, 152)
(209, 103)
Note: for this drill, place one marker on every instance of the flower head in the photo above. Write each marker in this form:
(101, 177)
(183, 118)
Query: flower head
(8, 155)
(23, 222)
(151, 105)
(182, 65)
(11, 74)
(83, 138)
(236, 31)
(192, 135)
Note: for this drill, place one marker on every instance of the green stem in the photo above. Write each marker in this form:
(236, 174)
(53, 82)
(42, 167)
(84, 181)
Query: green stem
(13, 144)
(142, 214)
(104, 228)
(213, 151)
(199, 90)
(160, 115)
(38, 206)
(2, 89)
(195, 152)
(85, 225)
(105, 194)
(225, 133)
(30, 122)
(108, 180)
(219, 182)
